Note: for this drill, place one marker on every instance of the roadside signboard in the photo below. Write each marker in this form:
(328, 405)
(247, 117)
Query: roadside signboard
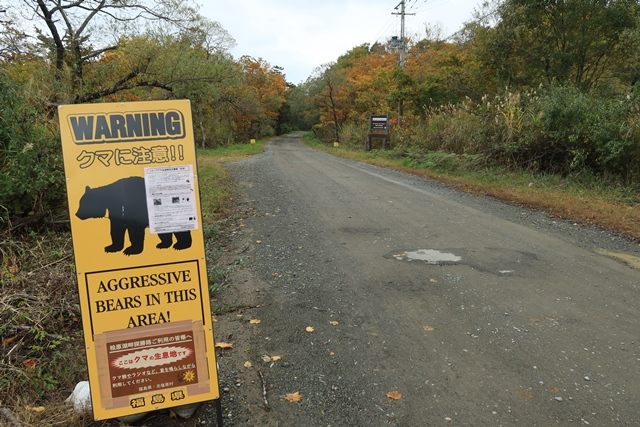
(379, 124)
(134, 203)
(378, 129)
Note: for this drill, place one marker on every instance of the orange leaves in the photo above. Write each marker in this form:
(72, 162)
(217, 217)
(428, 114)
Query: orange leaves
(30, 363)
(394, 395)
(294, 397)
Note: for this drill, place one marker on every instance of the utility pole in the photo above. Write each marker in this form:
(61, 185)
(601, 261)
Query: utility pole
(403, 44)
(403, 49)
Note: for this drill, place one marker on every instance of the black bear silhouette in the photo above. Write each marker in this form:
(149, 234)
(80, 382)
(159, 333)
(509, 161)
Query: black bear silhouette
(125, 202)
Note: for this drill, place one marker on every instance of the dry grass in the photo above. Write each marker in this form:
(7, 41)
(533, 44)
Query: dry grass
(40, 331)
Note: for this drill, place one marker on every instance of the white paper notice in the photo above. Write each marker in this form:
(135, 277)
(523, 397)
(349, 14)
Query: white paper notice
(171, 199)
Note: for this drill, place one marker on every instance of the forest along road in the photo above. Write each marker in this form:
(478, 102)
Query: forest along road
(474, 311)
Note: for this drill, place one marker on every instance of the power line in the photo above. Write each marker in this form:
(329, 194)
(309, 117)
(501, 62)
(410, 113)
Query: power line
(385, 28)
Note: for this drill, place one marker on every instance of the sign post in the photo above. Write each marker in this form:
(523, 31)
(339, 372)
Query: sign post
(378, 129)
(134, 203)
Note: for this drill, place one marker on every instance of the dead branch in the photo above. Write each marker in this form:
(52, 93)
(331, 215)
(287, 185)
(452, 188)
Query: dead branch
(264, 391)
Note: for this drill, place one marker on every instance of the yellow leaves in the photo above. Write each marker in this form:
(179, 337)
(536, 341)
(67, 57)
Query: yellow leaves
(334, 322)
(428, 328)
(268, 359)
(294, 397)
(309, 329)
(248, 364)
(224, 345)
(394, 395)
(255, 321)
(36, 409)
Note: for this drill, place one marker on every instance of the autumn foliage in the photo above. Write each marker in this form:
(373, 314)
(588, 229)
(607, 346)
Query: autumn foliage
(549, 87)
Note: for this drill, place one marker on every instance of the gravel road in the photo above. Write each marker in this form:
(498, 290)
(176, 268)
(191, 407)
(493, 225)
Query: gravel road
(466, 310)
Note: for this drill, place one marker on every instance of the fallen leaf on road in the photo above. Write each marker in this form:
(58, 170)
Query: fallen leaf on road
(224, 345)
(309, 329)
(394, 395)
(36, 409)
(293, 397)
(334, 322)
(258, 241)
(332, 354)
(524, 394)
(428, 328)
(255, 321)
(275, 358)
(248, 364)
(265, 358)
(433, 280)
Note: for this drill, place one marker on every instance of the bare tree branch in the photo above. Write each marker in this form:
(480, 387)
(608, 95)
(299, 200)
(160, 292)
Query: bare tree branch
(98, 52)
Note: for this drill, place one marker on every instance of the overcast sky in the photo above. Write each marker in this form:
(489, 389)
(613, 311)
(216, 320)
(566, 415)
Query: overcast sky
(300, 35)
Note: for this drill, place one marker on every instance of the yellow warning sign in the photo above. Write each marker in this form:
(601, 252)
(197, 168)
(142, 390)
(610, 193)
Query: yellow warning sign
(134, 204)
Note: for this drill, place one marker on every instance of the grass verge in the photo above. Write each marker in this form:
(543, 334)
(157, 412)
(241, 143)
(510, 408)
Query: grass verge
(584, 199)
(41, 345)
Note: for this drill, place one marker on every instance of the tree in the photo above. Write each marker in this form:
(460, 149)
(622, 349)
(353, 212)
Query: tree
(74, 34)
(565, 41)
(328, 90)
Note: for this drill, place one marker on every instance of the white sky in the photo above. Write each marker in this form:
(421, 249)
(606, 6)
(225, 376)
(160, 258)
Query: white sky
(302, 35)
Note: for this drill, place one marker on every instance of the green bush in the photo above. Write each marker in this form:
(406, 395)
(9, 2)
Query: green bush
(325, 132)
(559, 130)
(31, 169)
(354, 133)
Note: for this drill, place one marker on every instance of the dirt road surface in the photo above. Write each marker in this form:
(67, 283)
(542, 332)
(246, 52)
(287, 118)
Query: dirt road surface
(474, 311)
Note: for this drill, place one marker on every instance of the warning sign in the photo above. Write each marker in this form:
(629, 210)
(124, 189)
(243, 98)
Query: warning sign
(134, 204)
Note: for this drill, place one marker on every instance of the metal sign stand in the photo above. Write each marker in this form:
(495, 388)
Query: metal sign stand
(219, 412)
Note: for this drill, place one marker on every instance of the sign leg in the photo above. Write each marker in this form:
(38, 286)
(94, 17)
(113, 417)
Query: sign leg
(219, 411)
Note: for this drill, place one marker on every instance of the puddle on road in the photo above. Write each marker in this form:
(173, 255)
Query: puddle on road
(430, 256)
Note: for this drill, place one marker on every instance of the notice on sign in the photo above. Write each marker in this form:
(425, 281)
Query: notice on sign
(152, 363)
(171, 199)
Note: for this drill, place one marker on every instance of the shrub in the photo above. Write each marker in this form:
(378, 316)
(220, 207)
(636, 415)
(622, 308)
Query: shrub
(325, 132)
(31, 170)
(354, 133)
